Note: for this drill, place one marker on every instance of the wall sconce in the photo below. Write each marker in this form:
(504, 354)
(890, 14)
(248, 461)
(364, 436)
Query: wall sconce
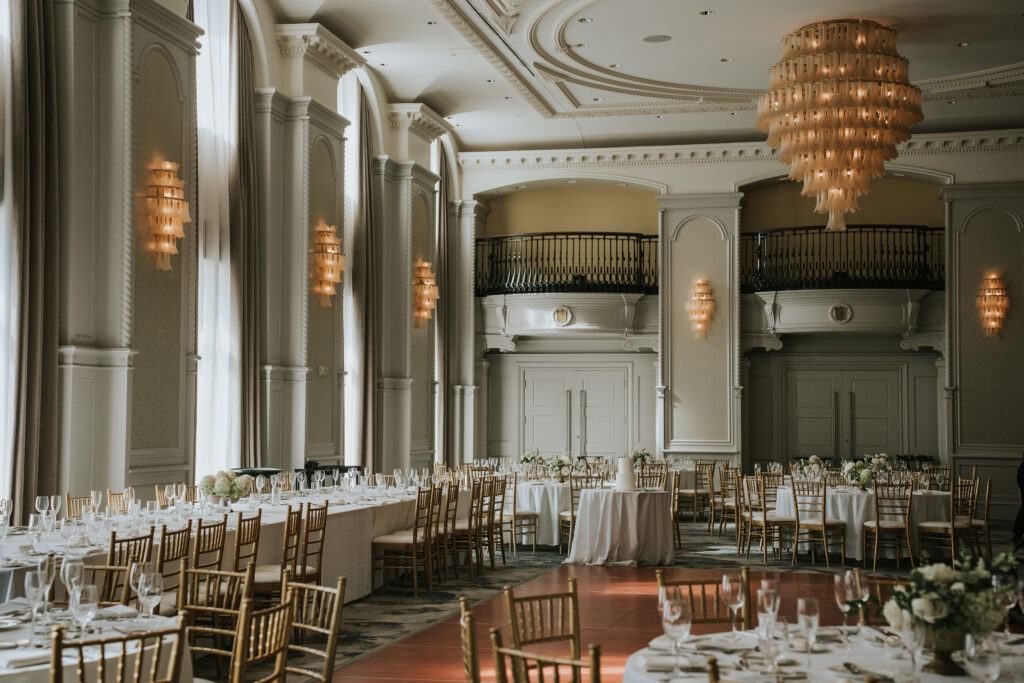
(167, 210)
(326, 262)
(701, 308)
(992, 304)
(424, 289)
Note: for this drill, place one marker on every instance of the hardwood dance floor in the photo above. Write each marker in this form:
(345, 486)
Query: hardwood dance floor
(617, 611)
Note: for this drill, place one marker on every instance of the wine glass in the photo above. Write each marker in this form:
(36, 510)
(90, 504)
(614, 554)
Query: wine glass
(135, 575)
(336, 475)
(55, 505)
(1003, 587)
(913, 636)
(151, 589)
(733, 596)
(261, 481)
(170, 492)
(676, 621)
(71, 573)
(768, 601)
(981, 658)
(84, 604)
(97, 500)
(48, 567)
(300, 480)
(843, 593)
(42, 504)
(807, 620)
(35, 590)
(181, 492)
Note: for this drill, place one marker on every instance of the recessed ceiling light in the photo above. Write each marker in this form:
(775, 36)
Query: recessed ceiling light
(508, 97)
(599, 99)
(725, 59)
(383, 64)
(706, 12)
(490, 80)
(952, 102)
(580, 45)
(733, 113)
(657, 38)
(962, 43)
(585, 20)
(431, 23)
(659, 116)
(614, 66)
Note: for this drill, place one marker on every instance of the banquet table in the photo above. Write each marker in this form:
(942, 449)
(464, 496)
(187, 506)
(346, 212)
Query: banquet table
(547, 499)
(623, 527)
(854, 507)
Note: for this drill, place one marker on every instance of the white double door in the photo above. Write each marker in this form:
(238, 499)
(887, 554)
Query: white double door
(583, 412)
(843, 414)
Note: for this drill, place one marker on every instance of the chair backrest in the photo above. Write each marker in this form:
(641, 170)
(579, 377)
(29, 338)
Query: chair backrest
(672, 484)
(470, 652)
(809, 500)
(262, 635)
(544, 618)
(834, 477)
(965, 495)
(211, 601)
(437, 509)
(579, 483)
(753, 496)
(314, 536)
(486, 510)
(75, 504)
(421, 524)
(500, 485)
(123, 551)
(880, 588)
(892, 502)
(247, 539)
(117, 501)
(988, 501)
(940, 472)
(316, 611)
(172, 552)
(530, 667)
(291, 539)
(652, 475)
(118, 656)
(704, 475)
(476, 492)
(112, 585)
(161, 499)
(451, 507)
(208, 550)
(705, 598)
(480, 471)
(771, 481)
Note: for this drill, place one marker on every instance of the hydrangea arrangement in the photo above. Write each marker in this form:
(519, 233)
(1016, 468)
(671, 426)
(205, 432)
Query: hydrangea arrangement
(640, 455)
(812, 466)
(560, 464)
(942, 598)
(531, 458)
(866, 470)
(226, 484)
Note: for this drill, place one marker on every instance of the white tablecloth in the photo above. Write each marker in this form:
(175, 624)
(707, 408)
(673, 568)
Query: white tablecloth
(856, 507)
(547, 499)
(866, 651)
(623, 527)
(687, 478)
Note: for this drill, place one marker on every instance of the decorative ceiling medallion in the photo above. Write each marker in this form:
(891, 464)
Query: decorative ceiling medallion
(561, 316)
(840, 313)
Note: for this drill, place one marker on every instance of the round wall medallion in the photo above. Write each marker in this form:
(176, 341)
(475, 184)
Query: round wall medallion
(840, 313)
(561, 316)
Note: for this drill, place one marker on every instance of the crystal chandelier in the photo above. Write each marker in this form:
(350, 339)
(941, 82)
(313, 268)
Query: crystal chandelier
(425, 291)
(167, 210)
(992, 304)
(839, 103)
(701, 308)
(326, 262)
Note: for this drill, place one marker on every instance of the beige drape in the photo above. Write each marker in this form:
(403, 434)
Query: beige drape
(36, 222)
(245, 247)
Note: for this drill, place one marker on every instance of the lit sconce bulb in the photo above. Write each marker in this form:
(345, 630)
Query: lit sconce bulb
(701, 308)
(992, 303)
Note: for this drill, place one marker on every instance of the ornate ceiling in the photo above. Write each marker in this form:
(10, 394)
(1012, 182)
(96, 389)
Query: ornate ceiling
(530, 74)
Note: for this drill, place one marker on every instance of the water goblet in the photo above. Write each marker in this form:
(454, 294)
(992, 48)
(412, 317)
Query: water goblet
(733, 596)
(135, 576)
(807, 621)
(336, 476)
(84, 604)
(71, 573)
(261, 481)
(843, 593)
(42, 503)
(300, 480)
(35, 590)
(981, 658)
(151, 590)
(913, 636)
(182, 492)
(129, 493)
(676, 621)
(170, 492)
(55, 504)
(97, 500)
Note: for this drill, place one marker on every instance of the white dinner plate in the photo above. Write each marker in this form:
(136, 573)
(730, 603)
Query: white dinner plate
(9, 624)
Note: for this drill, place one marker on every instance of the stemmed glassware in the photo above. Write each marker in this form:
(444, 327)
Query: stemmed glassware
(843, 592)
(55, 505)
(84, 604)
(42, 504)
(300, 480)
(1002, 586)
(912, 636)
(981, 658)
(170, 493)
(151, 589)
(733, 596)
(676, 620)
(261, 481)
(807, 620)
(71, 574)
(35, 590)
(97, 500)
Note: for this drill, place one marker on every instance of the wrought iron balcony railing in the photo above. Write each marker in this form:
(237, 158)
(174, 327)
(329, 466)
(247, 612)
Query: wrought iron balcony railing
(567, 262)
(863, 256)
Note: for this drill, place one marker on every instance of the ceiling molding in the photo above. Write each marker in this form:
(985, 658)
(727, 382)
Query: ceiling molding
(933, 143)
(319, 46)
(472, 35)
(419, 118)
(504, 13)
(987, 79)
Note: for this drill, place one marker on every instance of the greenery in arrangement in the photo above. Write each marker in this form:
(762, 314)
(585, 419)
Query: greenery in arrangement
(640, 455)
(226, 485)
(866, 470)
(942, 598)
(531, 458)
(560, 464)
(812, 466)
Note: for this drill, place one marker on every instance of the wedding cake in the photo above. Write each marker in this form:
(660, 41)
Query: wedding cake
(626, 479)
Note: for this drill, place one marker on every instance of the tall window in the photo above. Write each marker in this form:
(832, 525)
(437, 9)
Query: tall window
(218, 403)
(9, 249)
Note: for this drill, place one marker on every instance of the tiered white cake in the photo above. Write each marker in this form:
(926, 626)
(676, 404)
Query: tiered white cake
(626, 479)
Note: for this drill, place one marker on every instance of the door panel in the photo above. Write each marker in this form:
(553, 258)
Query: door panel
(873, 407)
(546, 411)
(603, 408)
(811, 410)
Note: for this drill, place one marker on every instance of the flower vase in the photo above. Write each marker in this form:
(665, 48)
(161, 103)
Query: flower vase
(943, 644)
(559, 477)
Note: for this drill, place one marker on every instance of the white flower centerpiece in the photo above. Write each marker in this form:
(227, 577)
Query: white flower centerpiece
(531, 458)
(640, 456)
(949, 603)
(560, 466)
(812, 467)
(226, 485)
(862, 472)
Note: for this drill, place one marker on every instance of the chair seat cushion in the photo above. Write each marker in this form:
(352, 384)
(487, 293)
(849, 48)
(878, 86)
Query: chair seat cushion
(526, 514)
(979, 523)
(939, 526)
(565, 515)
(816, 521)
(693, 492)
(396, 537)
(168, 606)
(775, 518)
(267, 573)
(886, 524)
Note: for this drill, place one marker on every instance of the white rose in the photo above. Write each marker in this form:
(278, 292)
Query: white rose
(565, 470)
(940, 573)
(894, 615)
(958, 587)
(929, 608)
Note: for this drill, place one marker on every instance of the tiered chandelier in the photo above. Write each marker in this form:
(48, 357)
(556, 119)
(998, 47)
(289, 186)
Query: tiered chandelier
(425, 291)
(839, 103)
(167, 210)
(992, 303)
(326, 262)
(701, 308)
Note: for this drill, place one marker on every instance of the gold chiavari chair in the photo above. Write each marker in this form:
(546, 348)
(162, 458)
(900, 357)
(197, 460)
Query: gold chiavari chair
(772, 482)
(171, 556)
(979, 525)
(75, 504)
(530, 667)
(493, 535)
(133, 549)
(470, 652)
(878, 587)
(834, 477)
(700, 495)
(520, 522)
(262, 635)
(567, 519)
(208, 549)
(943, 535)
(729, 501)
(118, 656)
(940, 473)
(673, 492)
(440, 470)
(268, 578)
(759, 520)
(544, 618)
(112, 585)
(446, 544)
(484, 515)
(409, 548)
(652, 475)
(480, 471)
(468, 533)
(192, 493)
(436, 522)
(316, 615)
(891, 524)
(117, 501)
(211, 601)
(311, 550)
(812, 522)
(705, 598)
(161, 498)
(247, 540)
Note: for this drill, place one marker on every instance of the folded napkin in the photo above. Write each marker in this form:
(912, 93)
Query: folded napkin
(33, 659)
(117, 612)
(663, 663)
(15, 605)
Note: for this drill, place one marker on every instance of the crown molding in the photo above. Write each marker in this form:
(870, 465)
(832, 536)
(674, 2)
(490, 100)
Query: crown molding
(319, 46)
(418, 118)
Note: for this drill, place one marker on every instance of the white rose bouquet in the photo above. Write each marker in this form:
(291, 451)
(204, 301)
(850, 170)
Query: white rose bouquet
(560, 465)
(942, 598)
(226, 485)
(866, 470)
(812, 467)
(531, 457)
(640, 455)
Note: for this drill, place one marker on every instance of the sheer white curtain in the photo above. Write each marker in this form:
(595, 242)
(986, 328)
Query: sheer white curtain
(218, 404)
(9, 277)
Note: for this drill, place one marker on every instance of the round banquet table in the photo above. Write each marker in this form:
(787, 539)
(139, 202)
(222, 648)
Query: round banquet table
(623, 527)
(855, 507)
(547, 499)
(687, 478)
